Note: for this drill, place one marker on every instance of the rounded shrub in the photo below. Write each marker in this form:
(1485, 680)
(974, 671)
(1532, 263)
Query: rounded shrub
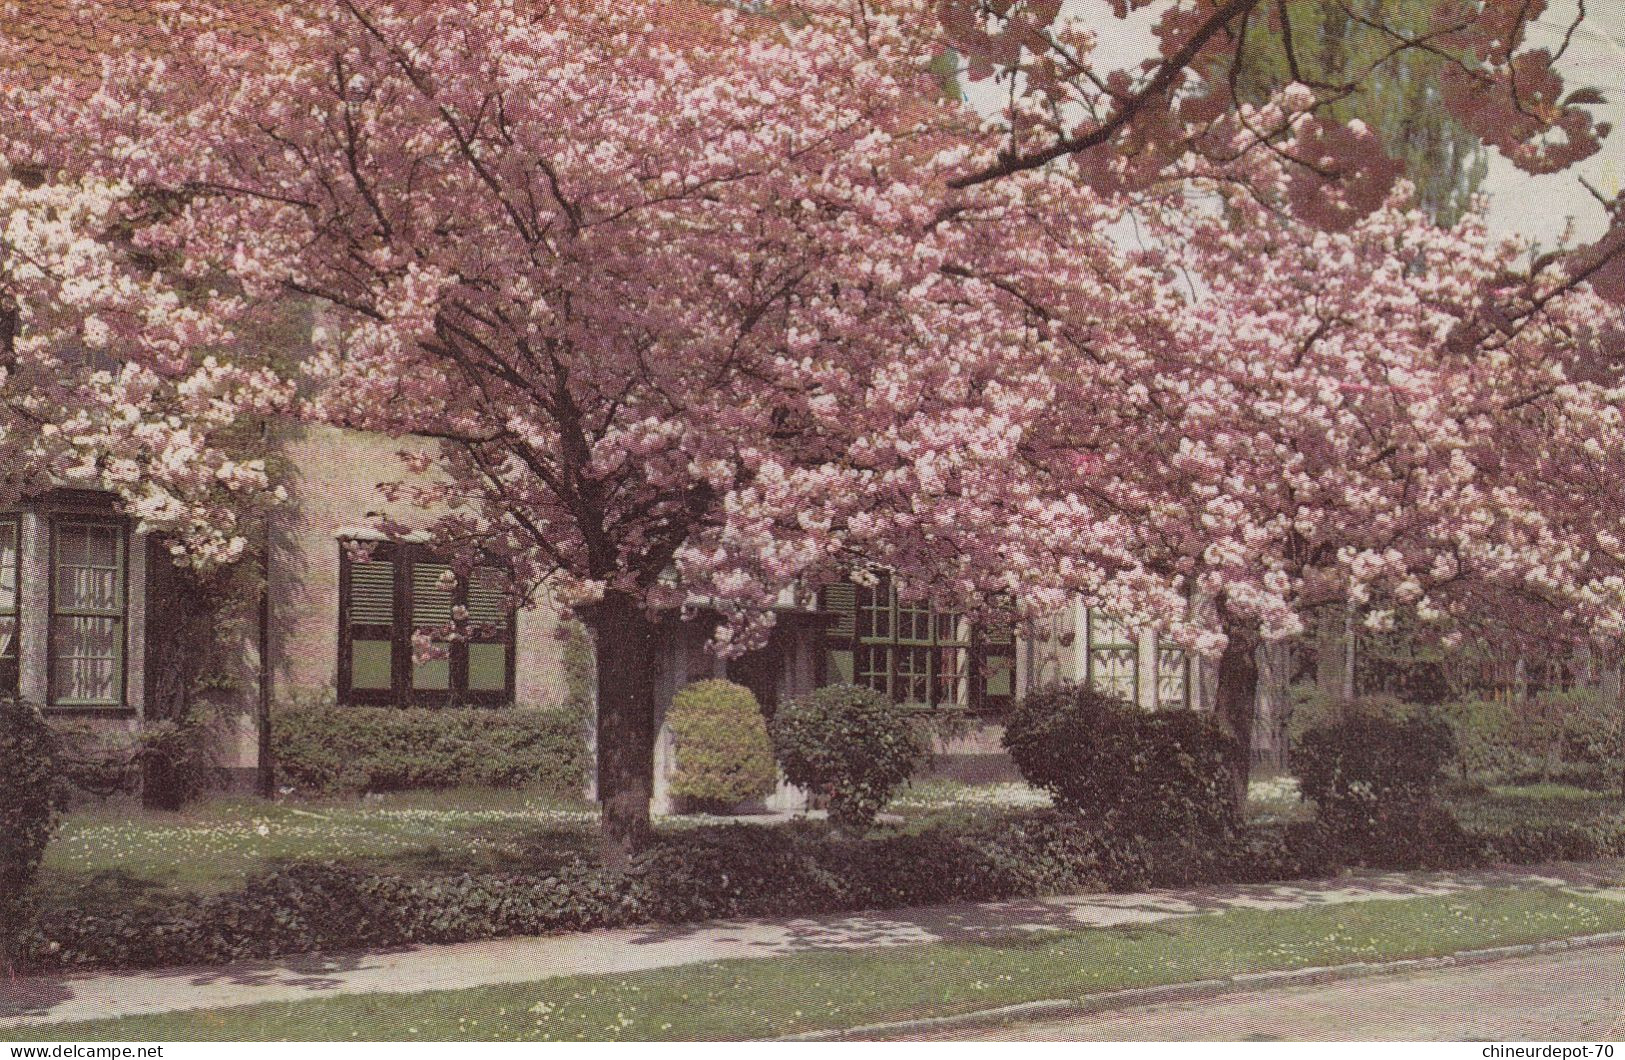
(31, 800)
(1373, 775)
(850, 744)
(724, 755)
(1132, 771)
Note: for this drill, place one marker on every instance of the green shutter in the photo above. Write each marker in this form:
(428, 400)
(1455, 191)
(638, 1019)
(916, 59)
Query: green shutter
(842, 601)
(372, 593)
(431, 602)
(486, 602)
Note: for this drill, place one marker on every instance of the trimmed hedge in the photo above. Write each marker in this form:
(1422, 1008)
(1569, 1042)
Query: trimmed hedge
(724, 756)
(1568, 737)
(1134, 771)
(1374, 776)
(724, 872)
(350, 750)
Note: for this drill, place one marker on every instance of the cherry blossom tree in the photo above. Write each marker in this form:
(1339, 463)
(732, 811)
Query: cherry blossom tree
(117, 376)
(682, 292)
(1381, 414)
(1127, 126)
(705, 305)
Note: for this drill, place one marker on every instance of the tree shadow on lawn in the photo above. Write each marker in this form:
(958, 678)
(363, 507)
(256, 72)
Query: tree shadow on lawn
(106, 889)
(492, 848)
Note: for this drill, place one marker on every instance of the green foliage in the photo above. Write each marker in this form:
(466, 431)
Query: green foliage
(724, 755)
(1137, 772)
(692, 874)
(1337, 41)
(1573, 737)
(362, 749)
(1373, 775)
(688, 875)
(580, 673)
(177, 760)
(851, 744)
(32, 795)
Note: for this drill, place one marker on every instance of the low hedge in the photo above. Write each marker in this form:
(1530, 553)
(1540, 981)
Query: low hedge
(32, 796)
(723, 872)
(350, 750)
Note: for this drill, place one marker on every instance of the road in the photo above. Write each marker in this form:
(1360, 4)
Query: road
(1569, 996)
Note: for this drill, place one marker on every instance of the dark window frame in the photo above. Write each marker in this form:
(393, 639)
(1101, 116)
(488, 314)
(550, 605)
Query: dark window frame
(406, 556)
(978, 648)
(53, 612)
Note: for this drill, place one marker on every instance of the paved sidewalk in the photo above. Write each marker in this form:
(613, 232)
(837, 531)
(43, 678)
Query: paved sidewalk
(54, 999)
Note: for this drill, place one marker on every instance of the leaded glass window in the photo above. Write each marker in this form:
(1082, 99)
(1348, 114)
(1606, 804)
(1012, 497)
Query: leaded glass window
(911, 653)
(1173, 677)
(88, 594)
(1114, 658)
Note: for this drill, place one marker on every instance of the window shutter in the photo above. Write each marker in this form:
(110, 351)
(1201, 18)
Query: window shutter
(842, 600)
(372, 593)
(486, 603)
(431, 600)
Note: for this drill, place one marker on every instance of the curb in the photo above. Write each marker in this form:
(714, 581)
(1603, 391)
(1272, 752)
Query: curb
(1113, 1000)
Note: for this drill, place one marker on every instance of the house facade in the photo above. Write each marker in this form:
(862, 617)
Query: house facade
(87, 603)
(81, 592)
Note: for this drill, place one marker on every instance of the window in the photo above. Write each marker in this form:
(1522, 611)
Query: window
(914, 654)
(1173, 678)
(1114, 664)
(9, 569)
(401, 591)
(1114, 658)
(88, 594)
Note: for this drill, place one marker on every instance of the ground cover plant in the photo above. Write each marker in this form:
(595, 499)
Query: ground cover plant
(816, 990)
(422, 867)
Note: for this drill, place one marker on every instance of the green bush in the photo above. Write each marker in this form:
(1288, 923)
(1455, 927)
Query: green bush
(32, 795)
(1138, 772)
(726, 872)
(723, 752)
(177, 760)
(1373, 776)
(1567, 737)
(851, 744)
(364, 749)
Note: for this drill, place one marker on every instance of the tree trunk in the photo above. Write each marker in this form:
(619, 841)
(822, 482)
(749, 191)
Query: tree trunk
(626, 642)
(1236, 703)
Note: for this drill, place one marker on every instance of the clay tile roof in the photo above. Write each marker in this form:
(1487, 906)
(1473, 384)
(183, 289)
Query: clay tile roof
(66, 36)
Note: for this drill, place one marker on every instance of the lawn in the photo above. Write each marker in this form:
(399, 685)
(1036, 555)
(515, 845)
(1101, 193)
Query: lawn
(118, 849)
(1536, 805)
(216, 844)
(814, 990)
